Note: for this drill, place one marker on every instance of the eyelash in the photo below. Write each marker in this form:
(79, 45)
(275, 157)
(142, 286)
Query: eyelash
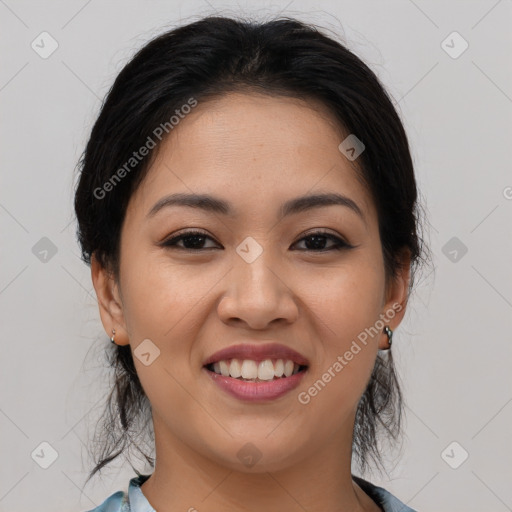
(339, 243)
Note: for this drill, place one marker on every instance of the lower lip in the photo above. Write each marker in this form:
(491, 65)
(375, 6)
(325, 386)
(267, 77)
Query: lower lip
(256, 391)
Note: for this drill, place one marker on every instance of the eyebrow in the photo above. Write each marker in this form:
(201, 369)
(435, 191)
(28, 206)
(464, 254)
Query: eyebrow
(216, 205)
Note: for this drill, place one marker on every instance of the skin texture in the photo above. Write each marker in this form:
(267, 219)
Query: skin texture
(256, 152)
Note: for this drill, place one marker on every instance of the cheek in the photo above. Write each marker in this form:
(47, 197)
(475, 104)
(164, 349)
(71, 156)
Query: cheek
(346, 307)
(164, 303)
(347, 300)
(159, 295)
(159, 302)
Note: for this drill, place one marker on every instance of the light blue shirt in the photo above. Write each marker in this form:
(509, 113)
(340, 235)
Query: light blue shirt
(135, 501)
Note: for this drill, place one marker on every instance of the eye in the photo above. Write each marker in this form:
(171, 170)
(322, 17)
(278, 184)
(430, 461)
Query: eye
(317, 241)
(192, 241)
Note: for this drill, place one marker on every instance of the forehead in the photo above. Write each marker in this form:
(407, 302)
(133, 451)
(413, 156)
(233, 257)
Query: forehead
(254, 150)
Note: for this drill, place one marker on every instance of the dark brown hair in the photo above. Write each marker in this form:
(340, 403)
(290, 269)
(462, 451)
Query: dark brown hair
(212, 57)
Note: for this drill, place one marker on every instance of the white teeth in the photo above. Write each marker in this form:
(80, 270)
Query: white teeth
(249, 369)
(279, 368)
(252, 370)
(266, 370)
(288, 368)
(224, 368)
(234, 369)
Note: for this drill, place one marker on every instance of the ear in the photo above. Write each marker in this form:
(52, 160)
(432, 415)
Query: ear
(397, 294)
(109, 302)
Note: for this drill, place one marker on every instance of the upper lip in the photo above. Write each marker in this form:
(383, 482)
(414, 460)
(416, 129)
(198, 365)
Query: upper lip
(257, 353)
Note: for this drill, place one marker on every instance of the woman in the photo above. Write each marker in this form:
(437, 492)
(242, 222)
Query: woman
(248, 206)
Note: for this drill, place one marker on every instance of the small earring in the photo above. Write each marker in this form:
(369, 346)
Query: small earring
(389, 334)
(113, 334)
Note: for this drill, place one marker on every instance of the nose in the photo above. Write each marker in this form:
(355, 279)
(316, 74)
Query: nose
(258, 294)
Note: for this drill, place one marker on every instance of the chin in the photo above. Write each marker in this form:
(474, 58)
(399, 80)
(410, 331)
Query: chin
(257, 454)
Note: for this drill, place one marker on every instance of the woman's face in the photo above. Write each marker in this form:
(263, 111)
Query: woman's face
(256, 277)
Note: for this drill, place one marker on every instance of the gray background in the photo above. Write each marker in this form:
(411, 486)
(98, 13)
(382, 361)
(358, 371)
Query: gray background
(454, 347)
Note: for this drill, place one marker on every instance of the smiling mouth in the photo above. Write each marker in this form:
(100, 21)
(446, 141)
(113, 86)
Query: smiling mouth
(256, 371)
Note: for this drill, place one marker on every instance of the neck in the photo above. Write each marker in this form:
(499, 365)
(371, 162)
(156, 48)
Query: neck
(321, 481)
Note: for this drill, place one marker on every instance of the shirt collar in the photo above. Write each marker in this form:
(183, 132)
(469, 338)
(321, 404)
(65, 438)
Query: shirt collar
(138, 502)
(386, 501)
